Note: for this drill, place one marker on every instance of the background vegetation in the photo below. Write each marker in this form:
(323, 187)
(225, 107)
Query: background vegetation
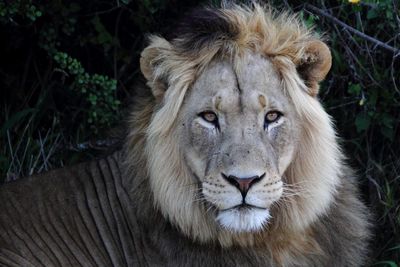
(66, 68)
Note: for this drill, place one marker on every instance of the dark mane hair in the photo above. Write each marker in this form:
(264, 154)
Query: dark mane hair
(201, 28)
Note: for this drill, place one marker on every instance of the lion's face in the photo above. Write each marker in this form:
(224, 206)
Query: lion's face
(236, 126)
(240, 132)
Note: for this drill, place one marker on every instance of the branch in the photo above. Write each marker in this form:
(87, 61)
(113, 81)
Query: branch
(320, 12)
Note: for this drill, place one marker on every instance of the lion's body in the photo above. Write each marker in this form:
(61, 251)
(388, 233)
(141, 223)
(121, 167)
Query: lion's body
(83, 216)
(164, 200)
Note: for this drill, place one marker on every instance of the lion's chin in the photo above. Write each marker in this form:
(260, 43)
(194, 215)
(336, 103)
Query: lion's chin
(243, 220)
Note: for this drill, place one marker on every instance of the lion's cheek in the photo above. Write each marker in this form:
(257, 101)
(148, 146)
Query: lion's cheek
(284, 146)
(199, 145)
(202, 139)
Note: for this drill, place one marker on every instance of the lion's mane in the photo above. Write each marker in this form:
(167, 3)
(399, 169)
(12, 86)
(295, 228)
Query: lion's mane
(171, 66)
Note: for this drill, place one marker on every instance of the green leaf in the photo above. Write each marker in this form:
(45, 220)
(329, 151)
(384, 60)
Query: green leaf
(310, 22)
(387, 263)
(372, 98)
(389, 14)
(103, 35)
(362, 122)
(338, 59)
(395, 248)
(387, 132)
(372, 14)
(354, 89)
(387, 120)
(356, 8)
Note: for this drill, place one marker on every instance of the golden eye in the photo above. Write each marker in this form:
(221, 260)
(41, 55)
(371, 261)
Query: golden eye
(209, 116)
(272, 116)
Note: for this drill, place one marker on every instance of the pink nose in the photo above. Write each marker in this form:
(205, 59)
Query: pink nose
(243, 184)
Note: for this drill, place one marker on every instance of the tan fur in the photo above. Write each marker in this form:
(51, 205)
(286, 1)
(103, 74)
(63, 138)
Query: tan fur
(289, 44)
(301, 61)
(260, 30)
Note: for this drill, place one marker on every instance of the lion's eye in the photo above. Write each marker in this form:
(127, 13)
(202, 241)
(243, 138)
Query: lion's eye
(272, 116)
(209, 116)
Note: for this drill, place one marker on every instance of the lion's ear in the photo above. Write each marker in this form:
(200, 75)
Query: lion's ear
(150, 61)
(314, 65)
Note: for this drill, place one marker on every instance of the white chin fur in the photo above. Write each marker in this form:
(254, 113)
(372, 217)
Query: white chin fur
(243, 220)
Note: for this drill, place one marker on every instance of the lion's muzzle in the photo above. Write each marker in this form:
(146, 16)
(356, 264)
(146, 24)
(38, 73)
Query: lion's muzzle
(242, 183)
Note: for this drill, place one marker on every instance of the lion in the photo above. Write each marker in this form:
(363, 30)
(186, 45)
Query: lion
(229, 160)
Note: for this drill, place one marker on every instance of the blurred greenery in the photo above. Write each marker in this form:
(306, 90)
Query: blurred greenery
(66, 68)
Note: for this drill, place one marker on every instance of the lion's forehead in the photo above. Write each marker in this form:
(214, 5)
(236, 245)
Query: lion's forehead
(256, 72)
(251, 81)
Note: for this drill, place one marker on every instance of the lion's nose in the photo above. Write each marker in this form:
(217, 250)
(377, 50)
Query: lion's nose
(242, 183)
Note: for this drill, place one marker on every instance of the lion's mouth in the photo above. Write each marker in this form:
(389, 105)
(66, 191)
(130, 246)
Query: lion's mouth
(243, 207)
